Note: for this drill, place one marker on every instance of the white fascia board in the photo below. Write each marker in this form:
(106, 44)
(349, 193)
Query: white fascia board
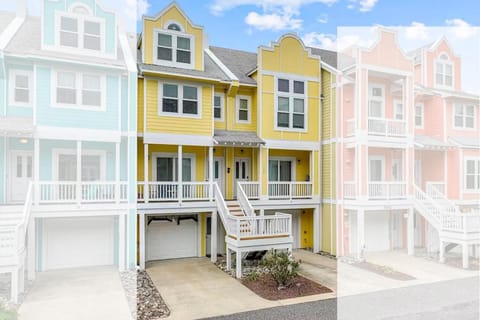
(177, 139)
(10, 31)
(221, 65)
(77, 134)
(127, 53)
(292, 145)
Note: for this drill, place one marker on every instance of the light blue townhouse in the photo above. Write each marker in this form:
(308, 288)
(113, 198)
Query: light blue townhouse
(67, 140)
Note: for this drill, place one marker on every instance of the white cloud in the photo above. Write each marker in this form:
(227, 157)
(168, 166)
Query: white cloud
(273, 21)
(323, 18)
(363, 5)
(134, 9)
(461, 28)
(273, 15)
(416, 31)
(330, 41)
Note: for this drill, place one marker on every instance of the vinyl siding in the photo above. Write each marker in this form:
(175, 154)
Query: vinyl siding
(328, 171)
(328, 106)
(329, 233)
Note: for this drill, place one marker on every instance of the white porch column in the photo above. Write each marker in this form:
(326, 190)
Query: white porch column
(213, 233)
(360, 233)
(121, 242)
(410, 232)
(14, 285)
(442, 251)
(180, 174)
(31, 249)
(316, 229)
(36, 170)
(210, 174)
(146, 191)
(238, 262)
(465, 255)
(229, 258)
(79, 172)
(142, 240)
(260, 166)
(117, 172)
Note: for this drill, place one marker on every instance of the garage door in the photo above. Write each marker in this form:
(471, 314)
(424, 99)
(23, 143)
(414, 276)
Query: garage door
(169, 240)
(77, 242)
(377, 231)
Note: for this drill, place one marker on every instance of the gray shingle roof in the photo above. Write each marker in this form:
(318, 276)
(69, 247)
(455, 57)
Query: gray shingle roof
(19, 127)
(237, 138)
(468, 142)
(211, 70)
(327, 56)
(5, 18)
(27, 41)
(240, 63)
(428, 142)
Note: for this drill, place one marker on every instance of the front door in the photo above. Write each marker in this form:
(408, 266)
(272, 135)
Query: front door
(242, 172)
(219, 173)
(21, 170)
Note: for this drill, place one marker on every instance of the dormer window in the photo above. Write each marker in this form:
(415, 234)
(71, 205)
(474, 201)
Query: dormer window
(173, 47)
(78, 29)
(443, 71)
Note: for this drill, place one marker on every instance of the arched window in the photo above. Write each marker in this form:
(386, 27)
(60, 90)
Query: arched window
(443, 71)
(174, 27)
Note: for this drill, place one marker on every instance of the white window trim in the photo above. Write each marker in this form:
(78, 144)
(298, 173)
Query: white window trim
(444, 62)
(180, 113)
(290, 95)
(78, 90)
(397, 102)
(237, 109)
(11, 91)
(222, 107)
(174, 35)
(85, 152)
(81, 19)
(382, 160)
(372, 86)
(422, 106)
(293, 168)
(174, 155)
(464, 106)
(477, 160)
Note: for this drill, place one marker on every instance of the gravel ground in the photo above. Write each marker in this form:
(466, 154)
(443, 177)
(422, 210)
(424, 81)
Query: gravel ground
(150, 305)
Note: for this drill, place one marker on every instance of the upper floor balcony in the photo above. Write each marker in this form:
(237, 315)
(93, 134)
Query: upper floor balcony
(379, 127)
(375, 190)
(279, 190)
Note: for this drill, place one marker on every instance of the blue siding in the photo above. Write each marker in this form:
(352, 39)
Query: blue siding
(49, 9)
(76, 118)
(110, 30)
(3, 179)
(124, 104)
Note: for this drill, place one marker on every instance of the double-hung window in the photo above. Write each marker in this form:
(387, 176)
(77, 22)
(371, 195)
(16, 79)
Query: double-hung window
(218, 107)
(398, 110)
(291, 104)
(173, 47)
(443, 72)
(179, 99)
(243, 109)
(20, 87)
(80, 31)
(472, 174)
(376, 101)
(464, 116)
(419, 115)
(83, 90)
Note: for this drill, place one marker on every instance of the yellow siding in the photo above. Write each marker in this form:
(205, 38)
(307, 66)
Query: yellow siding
(328, 106)
(329, 233)
(231, 107)
(173, 14)
(306, 226)
(328, 171)
(140, 105)
(179, 124)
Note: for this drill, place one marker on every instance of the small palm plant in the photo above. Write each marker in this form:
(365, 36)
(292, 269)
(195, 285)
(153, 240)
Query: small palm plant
(281, 266)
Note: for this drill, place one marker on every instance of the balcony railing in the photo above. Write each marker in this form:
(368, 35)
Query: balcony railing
(378, 190)
(251, 189)
(67, 192)
(172, 191)
(380, 127)
(290, 190)
(253, 227)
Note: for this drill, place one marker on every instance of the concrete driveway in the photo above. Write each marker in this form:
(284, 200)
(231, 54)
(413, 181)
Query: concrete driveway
(195, 288)
(71, 294)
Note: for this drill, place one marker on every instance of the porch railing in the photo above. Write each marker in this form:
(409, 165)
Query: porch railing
(171, 191)
(83, 192)
(380, 126)
(290, 190)
(251, 189)
(433, 187)
(277, 225)
(377, 190)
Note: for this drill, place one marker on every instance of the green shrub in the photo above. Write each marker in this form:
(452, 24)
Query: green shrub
(281, 266)
(253, 276)
(6, 312)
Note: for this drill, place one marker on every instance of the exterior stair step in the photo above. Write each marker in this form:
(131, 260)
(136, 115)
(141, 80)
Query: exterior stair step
(450, 247)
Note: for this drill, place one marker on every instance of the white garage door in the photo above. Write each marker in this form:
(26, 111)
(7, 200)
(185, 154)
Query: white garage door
(77, 242)
(377, 231)
(169, 240)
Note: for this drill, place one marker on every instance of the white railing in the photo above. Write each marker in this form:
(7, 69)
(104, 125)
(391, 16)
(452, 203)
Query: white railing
(83, 192)
(243, 201)
(290, 190)
(169, 191)
(387, 190)
(432, 186)
(228, 221)
(387, 127)
(251, 189)
(276, 225)
(349, 190)
(428, 206)
(446, 204)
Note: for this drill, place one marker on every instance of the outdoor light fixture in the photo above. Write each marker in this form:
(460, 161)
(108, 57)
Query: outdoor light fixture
(23, 140)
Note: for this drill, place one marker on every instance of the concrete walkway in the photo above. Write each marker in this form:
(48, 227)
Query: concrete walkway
(76, 294)
(195, 288)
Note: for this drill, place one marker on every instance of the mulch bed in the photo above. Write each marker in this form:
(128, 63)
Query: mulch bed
(267, 288)
(383, 271)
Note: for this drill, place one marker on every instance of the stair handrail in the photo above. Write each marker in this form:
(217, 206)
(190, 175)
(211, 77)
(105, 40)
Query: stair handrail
(243, 201)
(222, 208)
(431, 202)
(22, 227)
(451, 207)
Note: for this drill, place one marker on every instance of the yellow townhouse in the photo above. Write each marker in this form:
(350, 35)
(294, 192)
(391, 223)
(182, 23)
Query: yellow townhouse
(229, 145)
